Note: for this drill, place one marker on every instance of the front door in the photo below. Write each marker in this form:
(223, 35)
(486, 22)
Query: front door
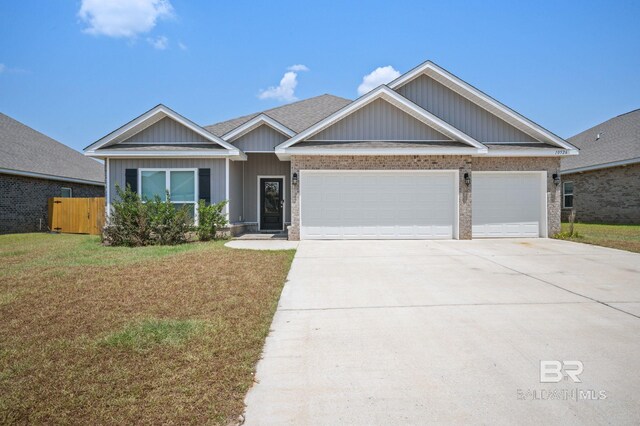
(271, 204)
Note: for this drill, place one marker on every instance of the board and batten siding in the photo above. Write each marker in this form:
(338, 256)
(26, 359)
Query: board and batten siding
(167, 131)
(379, 120)
(117, 168)
(460, 112)
(236, 213)
(264, 165)
(261, 139)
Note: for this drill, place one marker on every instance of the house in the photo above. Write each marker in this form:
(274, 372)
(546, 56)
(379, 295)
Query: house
(602, 185)
(33, 168)
(427, 156)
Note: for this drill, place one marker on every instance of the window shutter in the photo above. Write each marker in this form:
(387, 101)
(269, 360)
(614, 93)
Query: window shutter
(204, 185)
(131, 179)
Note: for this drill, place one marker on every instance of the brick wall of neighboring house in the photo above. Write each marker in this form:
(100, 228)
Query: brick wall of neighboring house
(609, 195)
(465, 164)
(24, 201)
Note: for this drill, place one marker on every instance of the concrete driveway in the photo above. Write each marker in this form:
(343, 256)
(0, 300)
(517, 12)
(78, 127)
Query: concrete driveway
(415, 332)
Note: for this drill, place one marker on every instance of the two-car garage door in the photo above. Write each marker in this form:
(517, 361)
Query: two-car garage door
(418, 204)
(378, 204)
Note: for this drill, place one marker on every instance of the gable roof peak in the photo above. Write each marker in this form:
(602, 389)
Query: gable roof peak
(148, 118)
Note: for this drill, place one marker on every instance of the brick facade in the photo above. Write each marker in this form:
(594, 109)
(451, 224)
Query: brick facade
(609, 195)
(24, 201)
(465, 164)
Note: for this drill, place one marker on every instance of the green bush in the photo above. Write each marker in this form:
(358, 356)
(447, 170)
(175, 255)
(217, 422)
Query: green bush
(134, 223)
(170, 223)
(210, 220)
(128, 224)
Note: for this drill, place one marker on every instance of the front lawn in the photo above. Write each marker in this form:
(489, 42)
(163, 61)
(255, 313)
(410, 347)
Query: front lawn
(623, 237)
(92, 334)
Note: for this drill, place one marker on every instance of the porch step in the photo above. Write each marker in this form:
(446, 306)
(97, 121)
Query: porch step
(262, 236)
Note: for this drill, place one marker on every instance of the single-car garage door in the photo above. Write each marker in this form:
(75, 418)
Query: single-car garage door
(378, 204)
(509, 204)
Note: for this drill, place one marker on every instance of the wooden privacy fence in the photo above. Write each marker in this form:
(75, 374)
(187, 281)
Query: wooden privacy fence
(76, 215)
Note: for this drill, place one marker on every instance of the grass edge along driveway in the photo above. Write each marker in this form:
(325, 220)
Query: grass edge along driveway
(623, 237)
(93, 334)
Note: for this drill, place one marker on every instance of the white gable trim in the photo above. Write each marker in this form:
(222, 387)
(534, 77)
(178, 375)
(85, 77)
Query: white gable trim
(147, 119)
(235, 154)
(394, 98)
(481, 99)
(254, 123)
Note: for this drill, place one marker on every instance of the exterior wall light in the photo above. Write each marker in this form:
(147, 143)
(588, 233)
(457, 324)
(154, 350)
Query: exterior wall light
(295, 179)
(467, 179)
(556, 179)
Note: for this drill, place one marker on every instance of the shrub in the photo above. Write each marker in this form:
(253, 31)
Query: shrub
(170, 223)
(128, 224)
(210, 220)
(134, 223)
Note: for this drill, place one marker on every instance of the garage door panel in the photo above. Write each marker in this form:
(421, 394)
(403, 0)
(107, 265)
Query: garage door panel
(507, 205)
(368, 204)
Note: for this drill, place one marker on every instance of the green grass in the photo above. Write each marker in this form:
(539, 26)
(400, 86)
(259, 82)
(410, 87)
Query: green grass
(108, 335)
(150, 332)
(623, 237)
(65, 250)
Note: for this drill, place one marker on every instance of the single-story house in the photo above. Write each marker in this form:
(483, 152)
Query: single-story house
(602, 185)
(33, 168)
(427, 156)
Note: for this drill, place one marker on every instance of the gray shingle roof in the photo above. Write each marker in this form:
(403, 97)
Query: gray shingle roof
(297, 116)
(619, 140)
(26, 150)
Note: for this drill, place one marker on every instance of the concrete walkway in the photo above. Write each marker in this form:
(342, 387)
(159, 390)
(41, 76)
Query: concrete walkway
(416, 332)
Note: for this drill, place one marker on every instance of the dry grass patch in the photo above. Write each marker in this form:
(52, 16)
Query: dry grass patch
(92, 334)
(623, 237)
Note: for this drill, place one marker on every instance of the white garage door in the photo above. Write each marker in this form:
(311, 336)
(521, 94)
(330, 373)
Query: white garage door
(378, 204)
(509, 204)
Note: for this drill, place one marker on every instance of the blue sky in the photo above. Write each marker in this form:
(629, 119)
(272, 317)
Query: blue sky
(77, 76)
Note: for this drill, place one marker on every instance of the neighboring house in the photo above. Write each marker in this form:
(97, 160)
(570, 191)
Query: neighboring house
(33, 168)
(602, 184)
(426, 156)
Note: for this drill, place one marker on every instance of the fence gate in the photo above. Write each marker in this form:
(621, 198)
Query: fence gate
(76, 215)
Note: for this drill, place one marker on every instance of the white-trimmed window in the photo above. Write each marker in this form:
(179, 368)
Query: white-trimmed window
(66, 192)
(181, 184)
(567, 195)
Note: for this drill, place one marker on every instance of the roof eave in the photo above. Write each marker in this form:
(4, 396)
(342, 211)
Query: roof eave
(234, 154)
(531, 152)
(620, 163)
(50, 177)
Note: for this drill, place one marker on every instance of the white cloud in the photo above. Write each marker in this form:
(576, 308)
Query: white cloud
(123, 18)
(381, 75)
(298, 67)
(283, 92)
(160, 42)
(3, 67)
(182, 46)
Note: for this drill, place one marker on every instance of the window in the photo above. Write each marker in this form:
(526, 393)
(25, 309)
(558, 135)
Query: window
(66, 192)
(567, 195)
(179, 183)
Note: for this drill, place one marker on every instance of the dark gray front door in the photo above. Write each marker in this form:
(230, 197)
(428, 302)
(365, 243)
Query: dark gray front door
(271, 204)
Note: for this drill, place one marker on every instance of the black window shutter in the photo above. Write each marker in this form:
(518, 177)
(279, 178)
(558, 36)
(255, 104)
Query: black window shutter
(204, 185)
(131, 179)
